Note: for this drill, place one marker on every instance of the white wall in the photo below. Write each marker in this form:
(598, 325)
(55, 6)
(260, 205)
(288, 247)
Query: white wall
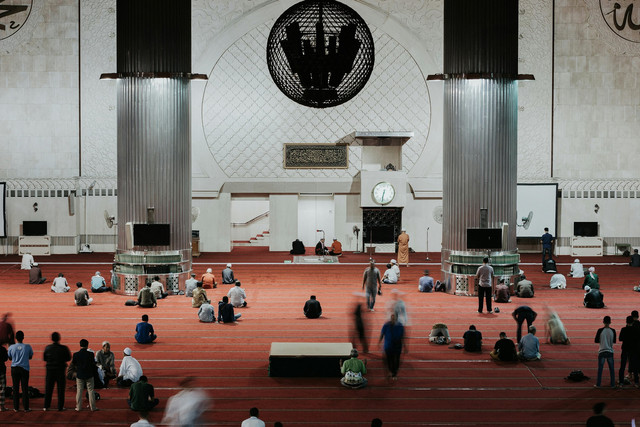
(283, 221)
(316, 213)
(244, 209)
(214, 223)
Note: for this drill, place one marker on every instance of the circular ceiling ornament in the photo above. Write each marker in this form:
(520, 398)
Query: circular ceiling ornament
(622, 18)
(320, 53)
(13, 16)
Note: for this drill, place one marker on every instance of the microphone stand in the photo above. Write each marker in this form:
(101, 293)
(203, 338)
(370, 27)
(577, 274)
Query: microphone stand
(427, 259)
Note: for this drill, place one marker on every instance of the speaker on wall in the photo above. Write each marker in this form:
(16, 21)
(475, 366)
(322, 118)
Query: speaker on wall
(128, 230)
(71, 198)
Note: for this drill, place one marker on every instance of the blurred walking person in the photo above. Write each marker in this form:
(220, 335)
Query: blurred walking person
(187, 406)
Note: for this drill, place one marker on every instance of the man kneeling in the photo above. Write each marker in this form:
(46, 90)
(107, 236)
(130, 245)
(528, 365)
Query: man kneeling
(353, 369)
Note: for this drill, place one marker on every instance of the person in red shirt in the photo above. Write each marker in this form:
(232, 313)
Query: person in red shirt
(209, 280)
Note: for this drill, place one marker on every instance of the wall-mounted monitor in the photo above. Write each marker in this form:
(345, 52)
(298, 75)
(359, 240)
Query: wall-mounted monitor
(585, 229)
(151, 234)
(34, 228)
(484, 238)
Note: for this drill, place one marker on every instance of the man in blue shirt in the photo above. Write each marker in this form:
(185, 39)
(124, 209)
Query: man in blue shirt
(529, 346)
(98, 284)
(144, 331)
(546, 239)
(426, 282)
(20, 354)
(393, 334)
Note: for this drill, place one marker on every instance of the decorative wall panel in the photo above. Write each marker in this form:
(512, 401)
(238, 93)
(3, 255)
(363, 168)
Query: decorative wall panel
(316, 156)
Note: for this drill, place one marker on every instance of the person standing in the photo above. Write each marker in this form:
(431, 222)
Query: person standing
(393, 334)
(6, 330)
(403, 248)
(371, 279)
(144, 331)
(547, 241)
(520, 314)
(630, 338)
(606, 337)
(485, 278)
(3, 375)
(20, 354)
(85, 371)
(56, 357)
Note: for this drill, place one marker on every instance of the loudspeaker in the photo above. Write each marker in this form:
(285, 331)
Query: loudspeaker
(128, 230)
(151, 215)
(484, 220)
(72, 204)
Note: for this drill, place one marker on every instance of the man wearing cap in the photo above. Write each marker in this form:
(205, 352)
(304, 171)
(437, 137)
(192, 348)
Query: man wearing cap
(227, 275)
(321, 249)
(593, 298)
(27, 261)
(336, 248)
(98, 284)
(426, 283)
(371, 279)
(190, 285)
(237, 296)
(130, 370)
(390, 275)
(209, 280)
(396, 268)
(35, 275)
(591, 279)
(577, 270)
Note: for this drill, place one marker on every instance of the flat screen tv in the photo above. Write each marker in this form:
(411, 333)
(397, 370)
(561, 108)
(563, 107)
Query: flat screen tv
(585, 229)
(378, 234)
(151, 234)
(34, 228)
(484, 238)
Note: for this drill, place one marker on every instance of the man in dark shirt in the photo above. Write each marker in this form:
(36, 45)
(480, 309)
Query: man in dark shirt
(85, 370)
(593, 298)
(312, 308)
(35, 275)
(504, 349)
(599, 419)
(520, 314)
(225, 311)
(635, 259)
(321, 249)
(144, 331)
(56, 357)
(630, 338)
(3, 375)
(142, 395)
(297, 247)
(547, 240)
(472, 339)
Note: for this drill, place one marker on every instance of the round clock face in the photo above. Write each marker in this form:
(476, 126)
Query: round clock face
(383, 193)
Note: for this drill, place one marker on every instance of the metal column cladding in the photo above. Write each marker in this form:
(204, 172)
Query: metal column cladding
(480, 119)
(154, 141)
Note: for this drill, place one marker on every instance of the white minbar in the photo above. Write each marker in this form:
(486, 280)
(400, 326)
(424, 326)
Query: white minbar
(35, 245)
(587, 246)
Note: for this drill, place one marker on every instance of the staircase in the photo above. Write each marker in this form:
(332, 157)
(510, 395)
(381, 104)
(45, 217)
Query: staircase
(261, 239)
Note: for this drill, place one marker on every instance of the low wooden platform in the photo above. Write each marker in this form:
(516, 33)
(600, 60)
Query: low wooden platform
(303, 359)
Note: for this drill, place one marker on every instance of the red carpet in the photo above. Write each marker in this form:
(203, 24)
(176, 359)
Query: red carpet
(437, 385)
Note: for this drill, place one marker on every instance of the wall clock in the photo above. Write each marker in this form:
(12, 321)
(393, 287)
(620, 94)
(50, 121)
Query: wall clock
(383, 193)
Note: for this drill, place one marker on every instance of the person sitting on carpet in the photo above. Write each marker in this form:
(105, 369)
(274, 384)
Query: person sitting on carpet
(556, 331)
(635, 259)
(321, 249)
(35, 275)
(253, 420)
(504, 349)
(336, 248)
(98, 284)
(353, 370)
(593, 298)
(199, 296)
(206, 314)
(146, 298)
(81, 295)
(142, 396)
(237, 296)
(524, 288)
(396, 267)
(577, 270)
(599, 419)
(312, 308)
(426, 283)
(209, 280)
(225, 311)
(60, 284)
(472, 339)
(227, 275)
(158, 288)
(130, 370)
(144, 331)
(297, 247)
(105, 361)
(591, 279)
(558, 281)
(27, 261)
(529, 346)
(190, 285)
(439, 334)
(389, 275)
(501, 293)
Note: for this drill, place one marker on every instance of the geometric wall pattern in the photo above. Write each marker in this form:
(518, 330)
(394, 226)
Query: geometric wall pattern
(247, 119)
